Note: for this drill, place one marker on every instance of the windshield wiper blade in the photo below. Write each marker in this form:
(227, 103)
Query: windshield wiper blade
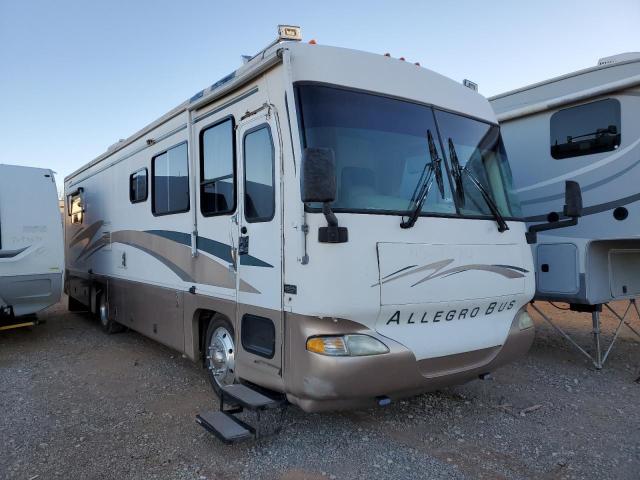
(423, 186)
(502, 224)
(456, 171)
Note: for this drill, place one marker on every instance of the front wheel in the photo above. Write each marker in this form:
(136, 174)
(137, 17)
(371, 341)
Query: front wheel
(220, 353)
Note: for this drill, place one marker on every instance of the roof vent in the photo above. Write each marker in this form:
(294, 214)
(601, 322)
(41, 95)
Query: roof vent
(621, 57)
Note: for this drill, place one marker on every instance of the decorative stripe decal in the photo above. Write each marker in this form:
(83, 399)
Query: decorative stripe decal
(212, 247)
(12, 253)
(173, 249)
(507, 271)
(592, 210)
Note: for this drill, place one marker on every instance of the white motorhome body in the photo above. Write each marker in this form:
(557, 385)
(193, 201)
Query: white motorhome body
(31, 245)
(197, 220)
(583, 126)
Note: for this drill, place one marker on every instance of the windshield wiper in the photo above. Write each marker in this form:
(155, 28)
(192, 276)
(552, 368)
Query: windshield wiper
(423, 186)
(502, 225)
(456, 171)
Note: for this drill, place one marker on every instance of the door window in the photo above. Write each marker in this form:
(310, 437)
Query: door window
(259, 192)
(217, 172)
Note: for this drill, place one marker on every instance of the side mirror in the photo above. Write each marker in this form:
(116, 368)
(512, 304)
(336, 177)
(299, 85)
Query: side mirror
(572, 200)
(318, 184)
(572, 209)
(318, 179)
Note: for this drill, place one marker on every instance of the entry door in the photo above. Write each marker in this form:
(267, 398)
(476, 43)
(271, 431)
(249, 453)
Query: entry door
(259, 244)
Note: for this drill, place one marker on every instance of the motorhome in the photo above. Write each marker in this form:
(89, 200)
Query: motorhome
(582, 127)
(333, 225)
(31, 245)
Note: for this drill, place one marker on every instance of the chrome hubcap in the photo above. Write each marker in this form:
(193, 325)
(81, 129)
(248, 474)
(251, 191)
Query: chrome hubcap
(221, 357)
(103, 312)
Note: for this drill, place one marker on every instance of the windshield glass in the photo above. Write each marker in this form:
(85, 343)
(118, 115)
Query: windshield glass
(479, 150)
(380, 145)
(381, 148)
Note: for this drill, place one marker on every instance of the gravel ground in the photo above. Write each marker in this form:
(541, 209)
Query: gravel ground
(80, 404)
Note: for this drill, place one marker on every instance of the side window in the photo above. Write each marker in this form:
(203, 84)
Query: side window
(217, 169)
(170, 171)
(138, 186)
(75, 206)
(586, 129)
(259, 193)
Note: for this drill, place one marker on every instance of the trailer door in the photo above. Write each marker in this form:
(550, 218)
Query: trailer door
(259, 244)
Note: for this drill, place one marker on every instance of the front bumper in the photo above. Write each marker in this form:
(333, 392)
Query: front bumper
(320, 383)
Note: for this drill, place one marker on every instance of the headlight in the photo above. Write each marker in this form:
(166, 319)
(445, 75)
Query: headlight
(524, 320)
(346, 345)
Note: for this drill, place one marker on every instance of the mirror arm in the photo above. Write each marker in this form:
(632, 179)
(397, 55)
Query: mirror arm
(332, 220)
(333, 233)
(532, 233)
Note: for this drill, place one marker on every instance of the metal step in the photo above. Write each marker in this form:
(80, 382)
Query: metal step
(248, 398)
(224, 426)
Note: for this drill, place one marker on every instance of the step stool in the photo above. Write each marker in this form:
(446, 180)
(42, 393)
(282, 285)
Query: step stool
(226, 426)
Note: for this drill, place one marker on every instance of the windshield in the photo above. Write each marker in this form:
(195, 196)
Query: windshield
(381, 148)
(479, 150)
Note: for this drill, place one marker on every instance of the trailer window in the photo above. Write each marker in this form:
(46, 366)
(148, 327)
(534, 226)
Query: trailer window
(75, 207)
(259, 193)
(217, 169)
(138, 186)
(586, 129)
(170, 172)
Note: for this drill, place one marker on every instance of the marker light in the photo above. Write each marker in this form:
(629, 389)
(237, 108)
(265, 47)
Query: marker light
(312, 42)
(387, 54)
(346, 345)
(289, 32)
(524, 320)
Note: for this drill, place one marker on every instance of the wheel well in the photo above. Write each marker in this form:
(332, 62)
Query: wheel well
(204, 318)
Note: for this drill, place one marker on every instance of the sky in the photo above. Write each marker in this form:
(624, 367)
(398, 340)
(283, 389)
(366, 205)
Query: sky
(75, 76)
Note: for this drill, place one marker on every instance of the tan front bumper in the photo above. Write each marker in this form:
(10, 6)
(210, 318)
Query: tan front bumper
(319, 383)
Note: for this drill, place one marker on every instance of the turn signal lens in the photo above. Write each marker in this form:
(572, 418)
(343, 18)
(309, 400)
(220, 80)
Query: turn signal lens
(327, 345)
(347, 345)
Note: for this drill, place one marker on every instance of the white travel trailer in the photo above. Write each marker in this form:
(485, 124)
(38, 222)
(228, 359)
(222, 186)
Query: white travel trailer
(281, 225)
(31, 246)
(582, 127)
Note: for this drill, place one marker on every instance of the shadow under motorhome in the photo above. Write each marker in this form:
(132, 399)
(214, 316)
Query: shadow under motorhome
(194, 232)
(31, 245)
(583, 126)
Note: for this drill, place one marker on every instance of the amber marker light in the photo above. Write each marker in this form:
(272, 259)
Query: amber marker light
(355, 345)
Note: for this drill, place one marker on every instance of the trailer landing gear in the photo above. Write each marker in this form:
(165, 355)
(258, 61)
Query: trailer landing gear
(230, 429)
(598, 359)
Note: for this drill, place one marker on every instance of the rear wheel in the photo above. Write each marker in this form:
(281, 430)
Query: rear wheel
(108, 325)
(220, 353)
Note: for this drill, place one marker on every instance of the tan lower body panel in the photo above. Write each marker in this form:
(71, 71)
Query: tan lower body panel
(321, 383)
(311, 381)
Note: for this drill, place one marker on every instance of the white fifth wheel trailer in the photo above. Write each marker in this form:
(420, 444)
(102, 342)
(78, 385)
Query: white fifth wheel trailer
(582, 127)
(333, 225)
(31, 246)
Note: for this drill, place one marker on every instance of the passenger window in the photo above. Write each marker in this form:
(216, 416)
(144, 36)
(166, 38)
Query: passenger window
(217, 169)
(586, 129)
(259, 193)
(138, 186)
(75, 206)
(170, 172)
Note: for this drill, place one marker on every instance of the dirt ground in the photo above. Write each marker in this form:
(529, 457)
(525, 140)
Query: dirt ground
(77, 403)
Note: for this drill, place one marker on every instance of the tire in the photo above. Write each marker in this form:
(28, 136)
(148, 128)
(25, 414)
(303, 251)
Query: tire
(219, 353)
(108, 325)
